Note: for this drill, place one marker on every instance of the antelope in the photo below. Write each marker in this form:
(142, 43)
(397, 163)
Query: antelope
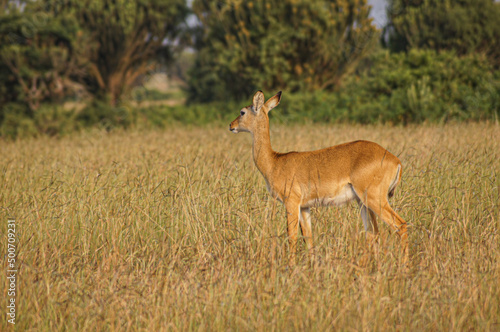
(360, 170)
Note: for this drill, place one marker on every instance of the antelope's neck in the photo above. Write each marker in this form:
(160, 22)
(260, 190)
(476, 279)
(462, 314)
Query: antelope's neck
(263, 154)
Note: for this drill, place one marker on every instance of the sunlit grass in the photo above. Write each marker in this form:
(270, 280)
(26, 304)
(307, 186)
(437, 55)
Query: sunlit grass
(174, 230)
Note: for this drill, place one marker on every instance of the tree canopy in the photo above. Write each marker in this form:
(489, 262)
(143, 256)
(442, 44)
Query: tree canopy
(465, 26)
(106, 46)
(271, 44)
(129, 37)
(37, 52)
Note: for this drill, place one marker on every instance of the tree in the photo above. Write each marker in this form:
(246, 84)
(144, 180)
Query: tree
(129, 38)
(36, 53)
(277, 44)
(465, 26)
(107, 46)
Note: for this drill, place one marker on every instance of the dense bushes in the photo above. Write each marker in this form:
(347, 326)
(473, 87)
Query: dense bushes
(16, 120)
(421, 86)
(464, 26)
(402, 88)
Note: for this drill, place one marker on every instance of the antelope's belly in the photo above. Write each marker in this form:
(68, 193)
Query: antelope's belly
(345, 195)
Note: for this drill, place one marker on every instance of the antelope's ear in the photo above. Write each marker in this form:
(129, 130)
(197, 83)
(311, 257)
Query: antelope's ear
(258, 101)
(273, 101)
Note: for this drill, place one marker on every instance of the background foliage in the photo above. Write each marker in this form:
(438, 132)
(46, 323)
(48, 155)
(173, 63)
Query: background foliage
(419, 86)
(465, 26)
(38, 53)
(277, 44)
(69, 65)
(129, 38)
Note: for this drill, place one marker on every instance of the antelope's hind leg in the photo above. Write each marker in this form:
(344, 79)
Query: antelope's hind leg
(305, 225)
(371, 230)
(389, 216)
(369, 220)
(374, 202)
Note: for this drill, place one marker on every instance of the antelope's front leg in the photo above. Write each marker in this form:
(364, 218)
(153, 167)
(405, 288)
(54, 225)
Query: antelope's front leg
(293, 210)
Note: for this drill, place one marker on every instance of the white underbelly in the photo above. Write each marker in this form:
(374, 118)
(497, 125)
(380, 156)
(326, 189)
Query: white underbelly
(344, 196)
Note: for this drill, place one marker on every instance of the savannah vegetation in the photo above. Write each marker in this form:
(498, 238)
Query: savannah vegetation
(136, 209)
(68, 66)
(174, 230)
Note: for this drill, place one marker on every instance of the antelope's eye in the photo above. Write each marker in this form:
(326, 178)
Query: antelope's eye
(242, 113)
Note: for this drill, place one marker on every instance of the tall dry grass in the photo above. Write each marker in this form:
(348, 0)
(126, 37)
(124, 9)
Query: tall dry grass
(175, 231)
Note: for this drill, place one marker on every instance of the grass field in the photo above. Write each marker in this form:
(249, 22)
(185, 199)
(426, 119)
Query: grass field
(174, 230)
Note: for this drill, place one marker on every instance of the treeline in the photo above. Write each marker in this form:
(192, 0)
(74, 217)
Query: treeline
(433, 61)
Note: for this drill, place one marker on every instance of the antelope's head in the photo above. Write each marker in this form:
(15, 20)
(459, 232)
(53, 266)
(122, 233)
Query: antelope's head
(255, 116)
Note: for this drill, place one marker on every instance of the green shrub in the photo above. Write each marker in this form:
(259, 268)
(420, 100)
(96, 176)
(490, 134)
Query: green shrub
(144, 94)
(16, 121)
(464, 26)
(54, 120)
(192, 114)
(422, 86)
(101, 114)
